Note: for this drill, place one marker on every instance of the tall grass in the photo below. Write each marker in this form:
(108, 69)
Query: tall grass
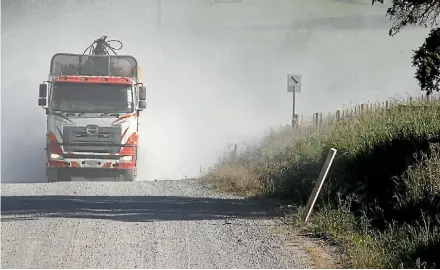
(382, 197)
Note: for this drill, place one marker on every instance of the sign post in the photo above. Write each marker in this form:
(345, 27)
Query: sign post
(293, 86)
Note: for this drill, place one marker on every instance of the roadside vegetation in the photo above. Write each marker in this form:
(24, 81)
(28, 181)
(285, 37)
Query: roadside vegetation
(381, 200)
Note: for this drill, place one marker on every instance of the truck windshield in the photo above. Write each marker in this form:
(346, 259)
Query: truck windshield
(92, 97)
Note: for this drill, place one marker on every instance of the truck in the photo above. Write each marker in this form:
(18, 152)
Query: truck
(93, 103)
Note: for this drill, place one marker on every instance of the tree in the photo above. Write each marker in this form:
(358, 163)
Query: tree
(426, 59)
(412, 12)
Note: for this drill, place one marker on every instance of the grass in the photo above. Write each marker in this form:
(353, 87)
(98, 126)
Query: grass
(381, 201)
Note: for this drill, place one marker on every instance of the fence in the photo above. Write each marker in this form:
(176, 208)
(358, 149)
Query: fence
(318, 121)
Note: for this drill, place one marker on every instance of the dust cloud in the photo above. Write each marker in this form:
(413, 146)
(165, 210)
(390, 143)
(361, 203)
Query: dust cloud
(215, 72)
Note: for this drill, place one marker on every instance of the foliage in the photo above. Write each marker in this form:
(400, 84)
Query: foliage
(412, 12)
(427, 61)
(386, 173)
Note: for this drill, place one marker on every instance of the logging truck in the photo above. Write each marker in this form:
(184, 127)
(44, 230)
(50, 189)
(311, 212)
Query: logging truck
(92, 102)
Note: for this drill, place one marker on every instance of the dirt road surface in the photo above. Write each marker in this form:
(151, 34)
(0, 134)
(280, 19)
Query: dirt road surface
(162, 224)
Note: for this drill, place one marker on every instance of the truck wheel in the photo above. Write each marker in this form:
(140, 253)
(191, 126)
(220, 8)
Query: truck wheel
(129, 175)
(58, 175)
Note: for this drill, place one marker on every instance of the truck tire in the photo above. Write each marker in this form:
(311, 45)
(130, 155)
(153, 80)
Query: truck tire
(129, 175)
(58, 175)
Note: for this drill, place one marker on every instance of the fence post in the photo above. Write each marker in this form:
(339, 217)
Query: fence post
(315, 120)
(234, 153)
(363, 110)
(296, 121)
(319, 182)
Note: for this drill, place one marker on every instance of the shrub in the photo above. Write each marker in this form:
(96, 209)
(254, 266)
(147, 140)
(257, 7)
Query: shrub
(387, 166)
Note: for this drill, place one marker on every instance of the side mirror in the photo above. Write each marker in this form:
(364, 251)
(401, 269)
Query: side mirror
(43, 90)
(42, 102)
(142, 104)
(142, 93)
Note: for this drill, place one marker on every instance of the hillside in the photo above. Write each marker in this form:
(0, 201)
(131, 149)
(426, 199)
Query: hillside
(381, 199)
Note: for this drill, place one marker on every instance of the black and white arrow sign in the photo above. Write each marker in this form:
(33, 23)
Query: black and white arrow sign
(293, 83)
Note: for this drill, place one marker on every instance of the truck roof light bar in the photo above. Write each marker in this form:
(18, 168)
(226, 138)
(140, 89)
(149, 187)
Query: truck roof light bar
(82, 79)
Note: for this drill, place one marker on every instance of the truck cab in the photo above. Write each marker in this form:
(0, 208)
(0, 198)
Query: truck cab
(92, 103)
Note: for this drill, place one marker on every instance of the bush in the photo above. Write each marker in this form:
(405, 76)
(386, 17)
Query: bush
(387, 166)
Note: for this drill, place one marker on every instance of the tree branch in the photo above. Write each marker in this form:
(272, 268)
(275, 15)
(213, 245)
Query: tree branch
(412, 12)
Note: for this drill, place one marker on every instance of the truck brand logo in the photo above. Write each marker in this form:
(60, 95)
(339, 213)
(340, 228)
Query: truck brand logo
(92, 129)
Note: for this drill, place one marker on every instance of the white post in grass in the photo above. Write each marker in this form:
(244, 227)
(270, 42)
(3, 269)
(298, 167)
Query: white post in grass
(321, 178)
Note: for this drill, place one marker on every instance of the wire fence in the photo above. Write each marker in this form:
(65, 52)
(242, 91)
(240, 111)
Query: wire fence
(318, 120)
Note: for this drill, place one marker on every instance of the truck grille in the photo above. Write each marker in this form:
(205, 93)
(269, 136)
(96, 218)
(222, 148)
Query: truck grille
(108, 140)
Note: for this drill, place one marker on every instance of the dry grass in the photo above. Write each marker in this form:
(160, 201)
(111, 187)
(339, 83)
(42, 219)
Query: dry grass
(236, 180)
(387, 168)
(318, 253)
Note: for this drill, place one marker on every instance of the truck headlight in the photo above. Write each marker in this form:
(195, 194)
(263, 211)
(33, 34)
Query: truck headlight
(56, 156)
(126, 158)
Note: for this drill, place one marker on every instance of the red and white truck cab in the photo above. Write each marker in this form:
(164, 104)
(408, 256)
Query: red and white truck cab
(92, 104)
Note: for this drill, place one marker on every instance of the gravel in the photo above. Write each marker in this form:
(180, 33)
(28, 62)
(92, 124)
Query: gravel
(162, 224)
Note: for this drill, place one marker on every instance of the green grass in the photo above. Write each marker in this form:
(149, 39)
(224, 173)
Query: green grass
(381, 200)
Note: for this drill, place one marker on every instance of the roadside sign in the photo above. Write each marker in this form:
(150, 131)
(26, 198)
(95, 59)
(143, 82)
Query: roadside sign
(293, 83)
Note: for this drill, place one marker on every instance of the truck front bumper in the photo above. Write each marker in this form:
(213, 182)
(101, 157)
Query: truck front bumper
(98, 168)
(92, 161)
(91, 164)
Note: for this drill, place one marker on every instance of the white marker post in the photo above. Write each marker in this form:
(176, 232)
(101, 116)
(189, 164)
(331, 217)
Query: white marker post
(320, 181)
(293, 86)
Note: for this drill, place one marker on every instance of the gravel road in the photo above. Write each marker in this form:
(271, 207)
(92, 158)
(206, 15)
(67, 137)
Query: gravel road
(162, 224)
